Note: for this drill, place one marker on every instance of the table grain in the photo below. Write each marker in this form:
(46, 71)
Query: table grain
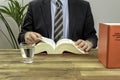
(54, 67)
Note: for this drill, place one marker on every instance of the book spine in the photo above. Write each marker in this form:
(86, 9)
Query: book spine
(108, 45)
(103, 43)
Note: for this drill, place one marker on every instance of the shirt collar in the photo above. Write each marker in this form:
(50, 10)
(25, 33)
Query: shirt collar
(62, 1)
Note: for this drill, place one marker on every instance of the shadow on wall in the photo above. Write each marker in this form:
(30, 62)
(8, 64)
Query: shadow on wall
(4, 35)
(16, 11)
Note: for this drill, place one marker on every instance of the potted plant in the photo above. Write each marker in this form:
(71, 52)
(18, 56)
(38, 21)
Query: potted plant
(16, 11)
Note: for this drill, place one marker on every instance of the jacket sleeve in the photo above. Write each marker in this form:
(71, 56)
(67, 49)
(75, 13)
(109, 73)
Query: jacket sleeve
(27, 24)
(89, 30)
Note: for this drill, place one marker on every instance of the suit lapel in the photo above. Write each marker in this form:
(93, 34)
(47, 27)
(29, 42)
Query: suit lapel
(71, 18)
(46, 10)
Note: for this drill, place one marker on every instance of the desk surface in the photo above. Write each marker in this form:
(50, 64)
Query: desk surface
(54, 67)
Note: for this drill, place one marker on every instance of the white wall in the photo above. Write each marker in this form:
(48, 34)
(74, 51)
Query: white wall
(4, 44)
(4, 2)
(103, 11)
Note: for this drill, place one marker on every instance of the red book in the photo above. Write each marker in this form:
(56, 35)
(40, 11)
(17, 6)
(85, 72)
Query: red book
(109, 44)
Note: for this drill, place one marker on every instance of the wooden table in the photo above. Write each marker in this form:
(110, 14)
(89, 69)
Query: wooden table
(54, 67)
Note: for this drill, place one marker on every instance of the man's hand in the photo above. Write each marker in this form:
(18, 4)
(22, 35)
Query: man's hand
(85, 45)
(32, 37)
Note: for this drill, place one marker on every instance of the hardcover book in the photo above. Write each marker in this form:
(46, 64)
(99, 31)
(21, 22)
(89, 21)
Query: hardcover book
(62, 45)
(109, 44)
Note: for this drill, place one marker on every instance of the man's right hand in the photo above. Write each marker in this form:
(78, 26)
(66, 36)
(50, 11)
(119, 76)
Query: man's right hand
(32, 37)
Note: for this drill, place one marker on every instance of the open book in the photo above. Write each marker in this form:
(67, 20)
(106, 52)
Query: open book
(62, 45)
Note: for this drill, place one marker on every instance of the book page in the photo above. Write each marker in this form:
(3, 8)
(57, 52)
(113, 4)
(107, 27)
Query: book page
(112, 23)
(61, 41)
(42, 47)
(49, 41)
(68, 41)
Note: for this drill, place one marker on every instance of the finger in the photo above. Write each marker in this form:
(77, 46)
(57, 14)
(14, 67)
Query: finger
(29, 40)
(90, 45)
(88, 49)
(85, 47)
(33, 37)
(82, 44)
(78, 42)
(38, 37)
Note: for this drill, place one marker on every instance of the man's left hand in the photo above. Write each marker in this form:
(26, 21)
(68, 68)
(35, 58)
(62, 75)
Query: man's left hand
(85, 45)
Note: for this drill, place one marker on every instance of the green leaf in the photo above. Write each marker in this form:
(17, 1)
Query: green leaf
(16, 11)
(5, 9)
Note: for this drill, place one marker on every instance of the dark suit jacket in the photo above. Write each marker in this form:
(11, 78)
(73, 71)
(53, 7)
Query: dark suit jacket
(81, 24)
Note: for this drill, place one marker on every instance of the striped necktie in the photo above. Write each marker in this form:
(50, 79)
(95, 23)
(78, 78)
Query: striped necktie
(58, 22)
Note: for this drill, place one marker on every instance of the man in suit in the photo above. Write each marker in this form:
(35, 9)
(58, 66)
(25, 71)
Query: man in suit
(78, 22)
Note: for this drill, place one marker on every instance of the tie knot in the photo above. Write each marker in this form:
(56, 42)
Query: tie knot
(58, 3)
